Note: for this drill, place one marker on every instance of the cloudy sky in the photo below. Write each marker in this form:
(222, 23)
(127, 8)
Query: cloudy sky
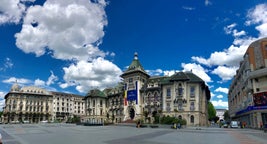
(76, 45)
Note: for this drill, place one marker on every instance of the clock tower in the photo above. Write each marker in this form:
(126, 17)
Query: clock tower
(134, 79)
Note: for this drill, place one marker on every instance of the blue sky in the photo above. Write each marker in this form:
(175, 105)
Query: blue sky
(76, 45)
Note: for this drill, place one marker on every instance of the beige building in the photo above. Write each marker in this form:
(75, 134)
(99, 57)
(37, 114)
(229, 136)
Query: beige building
(138, 97)
(95, 107)
(247, 95)
(33, 105)
(67, 105)
(27, 104)
(182, 95)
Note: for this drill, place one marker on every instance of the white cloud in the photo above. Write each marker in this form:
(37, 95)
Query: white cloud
(2, 104)
(207, 2)
(13, 80)
(169, 72)
(228, 29)
(223, 90)
(238, 34)
(39, 82)
(67, 29)
(220, 103)
(52, 78)
(99, 73)
(188, 8)
(212, 95)
(7, 64)
(258, 15)
(229, 57)
(2, 94)
(156, 72)
(220, 96)
(225, 73)
(11, 11)
(197, 70)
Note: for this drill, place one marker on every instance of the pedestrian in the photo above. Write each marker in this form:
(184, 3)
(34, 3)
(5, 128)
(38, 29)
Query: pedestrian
(179, 125)
(138, 124)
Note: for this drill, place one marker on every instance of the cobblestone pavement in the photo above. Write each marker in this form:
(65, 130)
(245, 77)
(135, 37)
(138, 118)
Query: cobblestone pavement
(70, 134)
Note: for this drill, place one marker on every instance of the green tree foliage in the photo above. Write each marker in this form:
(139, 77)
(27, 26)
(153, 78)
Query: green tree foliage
(75, 119)
(171, 120)
(226, 115)
(211, 111)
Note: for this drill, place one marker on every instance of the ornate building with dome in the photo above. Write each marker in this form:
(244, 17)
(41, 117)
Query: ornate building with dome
(33, 104)
(138, 97)
(141, 96)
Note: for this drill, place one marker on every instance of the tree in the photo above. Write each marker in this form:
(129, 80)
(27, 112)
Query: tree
(226, 115)
(216, 118)
(211, 111)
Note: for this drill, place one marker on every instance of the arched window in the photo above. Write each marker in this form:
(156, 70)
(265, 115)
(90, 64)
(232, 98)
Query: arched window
(180, 117)
(192, 119)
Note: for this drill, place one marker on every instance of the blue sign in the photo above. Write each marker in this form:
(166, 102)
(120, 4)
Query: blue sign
(251, 108)
(132, 95)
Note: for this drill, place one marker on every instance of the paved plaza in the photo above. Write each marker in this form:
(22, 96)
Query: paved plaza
(76, 134)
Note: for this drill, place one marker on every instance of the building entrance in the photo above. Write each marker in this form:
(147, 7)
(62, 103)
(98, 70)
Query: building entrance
(132, 113)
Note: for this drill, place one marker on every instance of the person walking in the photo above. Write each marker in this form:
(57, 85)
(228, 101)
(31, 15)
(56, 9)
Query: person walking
(178, 125)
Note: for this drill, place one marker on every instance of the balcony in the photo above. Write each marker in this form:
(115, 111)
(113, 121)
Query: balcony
(258, 73)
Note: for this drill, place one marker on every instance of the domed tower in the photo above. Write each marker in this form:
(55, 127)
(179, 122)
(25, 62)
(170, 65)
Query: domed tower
(134, 78)
(15, 87)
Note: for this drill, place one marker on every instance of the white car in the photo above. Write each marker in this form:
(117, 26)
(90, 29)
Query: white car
(234, 124)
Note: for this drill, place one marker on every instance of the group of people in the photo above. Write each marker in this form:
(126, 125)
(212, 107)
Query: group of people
(177, 126)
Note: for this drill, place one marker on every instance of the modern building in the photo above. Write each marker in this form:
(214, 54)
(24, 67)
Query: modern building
(138, 97)
(247, 95)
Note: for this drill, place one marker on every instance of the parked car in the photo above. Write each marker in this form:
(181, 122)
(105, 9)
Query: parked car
(225, 125)
(234, 124)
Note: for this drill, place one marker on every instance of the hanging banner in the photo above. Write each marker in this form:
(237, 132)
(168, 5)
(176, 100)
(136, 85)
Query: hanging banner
(260, 99)
(132, 94)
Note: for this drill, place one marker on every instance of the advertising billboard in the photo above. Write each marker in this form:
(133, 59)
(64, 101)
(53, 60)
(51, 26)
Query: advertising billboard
(260, 99)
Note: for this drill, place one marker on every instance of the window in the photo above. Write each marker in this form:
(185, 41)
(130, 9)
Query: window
(180, 117)
(192, 119)
(180, 91)
(192, 106)
(168, 107)
(192, 92)
(168, 91)
(180, 105)
(130, 80)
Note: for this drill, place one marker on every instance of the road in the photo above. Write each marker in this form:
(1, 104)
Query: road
(72, 134)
